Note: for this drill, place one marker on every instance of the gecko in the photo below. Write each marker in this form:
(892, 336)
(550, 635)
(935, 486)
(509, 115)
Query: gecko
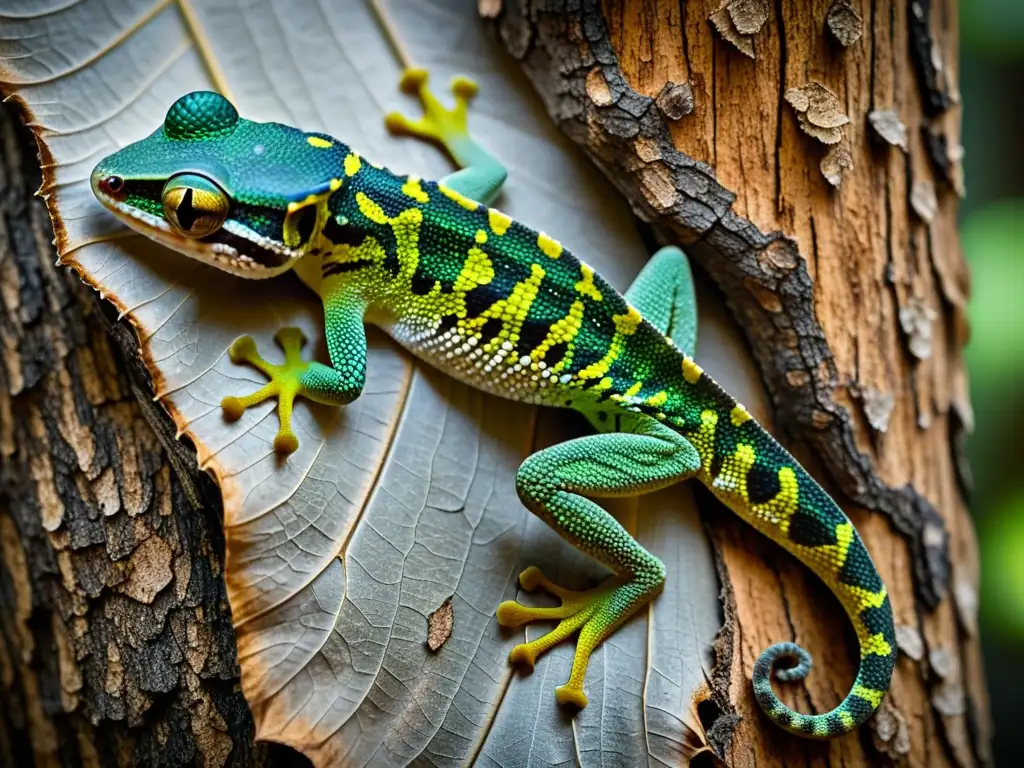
(511, 311)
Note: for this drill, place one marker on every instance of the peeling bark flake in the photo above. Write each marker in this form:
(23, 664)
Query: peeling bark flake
(845, 22)
(888, 127)
(727, 29)
(836, 164)
(675, 100)
(819, 111)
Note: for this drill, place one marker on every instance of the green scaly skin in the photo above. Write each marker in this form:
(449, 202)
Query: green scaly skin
(510, 311)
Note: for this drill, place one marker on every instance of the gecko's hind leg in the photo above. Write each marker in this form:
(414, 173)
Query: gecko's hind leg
(550, 483)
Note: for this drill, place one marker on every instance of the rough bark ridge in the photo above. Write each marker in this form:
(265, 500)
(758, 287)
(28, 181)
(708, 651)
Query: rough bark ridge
(792, 149)
(116, 645)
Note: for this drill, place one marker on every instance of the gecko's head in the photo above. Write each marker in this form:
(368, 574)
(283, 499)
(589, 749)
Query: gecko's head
(236, 194)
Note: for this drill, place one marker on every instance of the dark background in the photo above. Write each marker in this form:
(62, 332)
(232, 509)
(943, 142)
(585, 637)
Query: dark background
(992, 218)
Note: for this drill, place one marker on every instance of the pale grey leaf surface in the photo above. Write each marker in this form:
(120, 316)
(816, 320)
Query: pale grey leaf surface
(337, 556)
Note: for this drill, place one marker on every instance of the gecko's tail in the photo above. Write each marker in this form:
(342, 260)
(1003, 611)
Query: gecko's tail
(872, 618)
(818, 532)
(762, 483)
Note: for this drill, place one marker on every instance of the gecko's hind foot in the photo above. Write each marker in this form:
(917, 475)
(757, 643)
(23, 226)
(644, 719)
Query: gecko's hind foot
(438, 123)
(594, 614)
(286, 382)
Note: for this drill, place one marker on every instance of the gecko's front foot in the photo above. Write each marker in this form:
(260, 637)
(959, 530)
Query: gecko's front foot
(594, 614)
(445, 126)
(287, 382)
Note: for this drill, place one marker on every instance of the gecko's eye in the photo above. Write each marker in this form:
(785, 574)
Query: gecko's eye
(194, 205)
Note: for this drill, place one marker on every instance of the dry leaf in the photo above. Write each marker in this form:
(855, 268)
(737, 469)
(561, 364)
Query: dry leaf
(439, 625)
(406, 496)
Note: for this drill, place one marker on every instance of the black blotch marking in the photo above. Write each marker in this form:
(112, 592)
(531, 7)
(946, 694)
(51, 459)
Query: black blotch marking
(531, 336)
(187, 215)
(420, 284)
(490, 329)
(602, 416)
(858, 570)
(859, 708)
(555, 353)
(478, 301)
(835, 724)
(810, 530)
(762, 483)
(340, 234)
(875, 673)
(879, 620)
(717, 460)
(447, 323)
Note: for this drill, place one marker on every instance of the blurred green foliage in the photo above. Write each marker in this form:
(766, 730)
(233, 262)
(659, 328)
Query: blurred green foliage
(992, 231)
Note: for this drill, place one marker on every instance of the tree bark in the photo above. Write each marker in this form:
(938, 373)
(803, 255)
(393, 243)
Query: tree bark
(807, 156)
(116, 643)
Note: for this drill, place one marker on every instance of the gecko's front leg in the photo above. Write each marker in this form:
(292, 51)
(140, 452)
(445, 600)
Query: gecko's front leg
(337, 384)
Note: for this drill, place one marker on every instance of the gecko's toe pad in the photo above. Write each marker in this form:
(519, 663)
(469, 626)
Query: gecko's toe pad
(438, 122)
(572, 696)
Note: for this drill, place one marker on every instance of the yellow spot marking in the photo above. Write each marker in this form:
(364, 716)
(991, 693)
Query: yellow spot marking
(563, 330)
(868, 694)
(352, 164)
(549, 246)
(866, 598)
(478, 270)
(603, 384)
(335, 185)
(739, 415)
(634, 390)
(846, 718)
(370, 209)
(691, 371)
(499, 221)
(458, 197)
(586, 284)
(659, 398)
(778, 511)
(628, 323)
(875, 644)
(481, 236)
(413, 189)
(733, 476)
(704, 440)
(316, 141)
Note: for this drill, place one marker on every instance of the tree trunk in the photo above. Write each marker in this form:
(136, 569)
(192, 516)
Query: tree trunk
(807, 155)
(112, 599)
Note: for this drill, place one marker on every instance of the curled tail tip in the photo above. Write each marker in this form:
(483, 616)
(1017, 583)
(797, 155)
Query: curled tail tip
(852, 712)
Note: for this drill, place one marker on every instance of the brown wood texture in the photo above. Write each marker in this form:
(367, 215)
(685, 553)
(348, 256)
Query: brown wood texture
(852, 298)
(116, 644)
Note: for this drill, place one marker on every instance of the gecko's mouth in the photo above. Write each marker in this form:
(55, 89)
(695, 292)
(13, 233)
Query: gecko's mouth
(234, 248)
